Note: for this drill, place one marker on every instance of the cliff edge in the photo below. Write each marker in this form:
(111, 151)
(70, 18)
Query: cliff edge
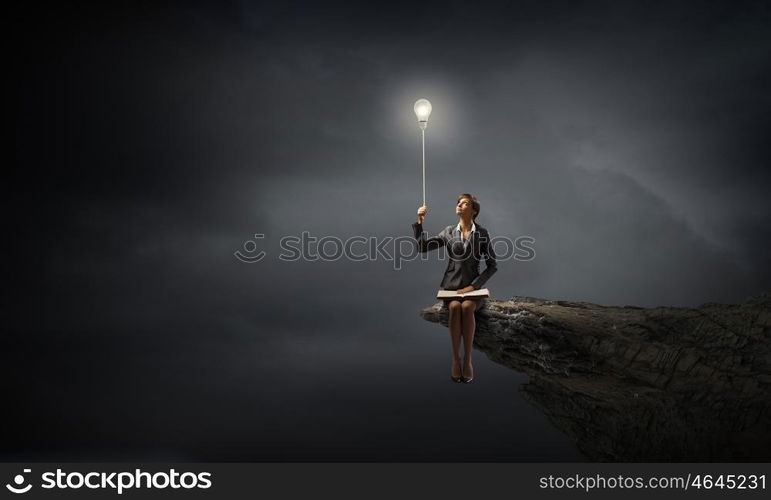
(635, 384)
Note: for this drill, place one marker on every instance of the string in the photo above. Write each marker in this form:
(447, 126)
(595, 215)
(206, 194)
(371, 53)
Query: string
(423, 142)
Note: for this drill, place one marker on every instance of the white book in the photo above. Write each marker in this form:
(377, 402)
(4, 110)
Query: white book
(452, 294)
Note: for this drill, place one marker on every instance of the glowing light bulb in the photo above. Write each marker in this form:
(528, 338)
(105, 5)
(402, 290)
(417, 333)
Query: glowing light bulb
(422, 111)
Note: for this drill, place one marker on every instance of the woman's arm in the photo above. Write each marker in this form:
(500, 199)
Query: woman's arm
(491, 266)
(426, 244)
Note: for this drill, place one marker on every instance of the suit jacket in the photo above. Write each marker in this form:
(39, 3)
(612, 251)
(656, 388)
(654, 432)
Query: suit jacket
(463, 261)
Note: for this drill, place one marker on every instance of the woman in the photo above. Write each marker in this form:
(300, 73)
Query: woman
(466, 244)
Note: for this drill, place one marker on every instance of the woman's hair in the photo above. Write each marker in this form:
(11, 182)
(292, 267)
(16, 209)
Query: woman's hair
(474, 203)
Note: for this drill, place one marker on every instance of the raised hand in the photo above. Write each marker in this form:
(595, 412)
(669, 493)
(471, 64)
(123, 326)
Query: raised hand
(422, 211)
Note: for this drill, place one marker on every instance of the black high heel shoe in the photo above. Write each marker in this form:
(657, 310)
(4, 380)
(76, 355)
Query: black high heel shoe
(465, 380)
(459, 378)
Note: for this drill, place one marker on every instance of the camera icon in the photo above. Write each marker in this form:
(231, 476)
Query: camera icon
(19, 481)
(250, 254)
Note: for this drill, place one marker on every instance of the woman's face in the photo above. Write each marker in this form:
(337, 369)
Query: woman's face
(464, 208)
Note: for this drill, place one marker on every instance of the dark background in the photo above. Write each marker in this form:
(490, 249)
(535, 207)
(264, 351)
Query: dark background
(152, 141)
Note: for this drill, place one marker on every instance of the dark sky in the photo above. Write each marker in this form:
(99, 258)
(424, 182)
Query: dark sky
(629, 139)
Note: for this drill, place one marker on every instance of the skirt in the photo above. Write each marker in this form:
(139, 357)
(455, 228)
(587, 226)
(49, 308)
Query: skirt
(481, 303)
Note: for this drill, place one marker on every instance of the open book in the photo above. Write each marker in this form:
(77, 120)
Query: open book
(452, 294)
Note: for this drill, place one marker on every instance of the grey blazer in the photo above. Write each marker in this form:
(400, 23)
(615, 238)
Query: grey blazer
(462, 262)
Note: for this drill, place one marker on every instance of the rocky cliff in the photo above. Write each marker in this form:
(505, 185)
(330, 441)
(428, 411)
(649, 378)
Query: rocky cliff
(635, 384)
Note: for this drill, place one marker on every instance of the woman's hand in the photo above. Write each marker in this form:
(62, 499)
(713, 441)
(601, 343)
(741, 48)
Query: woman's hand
(466, 290)
(422, 211)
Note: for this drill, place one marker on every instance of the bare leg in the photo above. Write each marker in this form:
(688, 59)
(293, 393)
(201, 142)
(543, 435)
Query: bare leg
(456, 327)
(469, 327)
